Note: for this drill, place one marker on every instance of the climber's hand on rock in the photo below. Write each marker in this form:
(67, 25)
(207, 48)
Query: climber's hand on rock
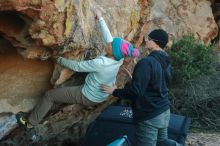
(56, 59)
(98, 14)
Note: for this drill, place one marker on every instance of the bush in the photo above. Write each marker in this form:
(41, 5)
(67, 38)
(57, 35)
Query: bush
(190, 59)
(197, 94)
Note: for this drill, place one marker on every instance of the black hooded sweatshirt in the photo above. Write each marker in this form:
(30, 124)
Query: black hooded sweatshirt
(149, 88)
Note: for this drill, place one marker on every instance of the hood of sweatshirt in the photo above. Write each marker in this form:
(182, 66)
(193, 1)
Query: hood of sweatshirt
(162, 57)
(165, 61)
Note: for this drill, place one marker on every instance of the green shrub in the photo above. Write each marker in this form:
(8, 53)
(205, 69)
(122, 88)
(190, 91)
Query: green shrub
(190, 59)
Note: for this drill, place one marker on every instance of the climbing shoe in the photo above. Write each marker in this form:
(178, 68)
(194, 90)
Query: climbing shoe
(22, 120)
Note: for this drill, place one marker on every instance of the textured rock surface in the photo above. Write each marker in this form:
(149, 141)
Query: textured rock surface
(184, 17)
(23, 81)
(7, 124)
(40, 29)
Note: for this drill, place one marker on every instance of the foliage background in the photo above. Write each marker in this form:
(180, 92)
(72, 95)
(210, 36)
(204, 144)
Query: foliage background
(195, 88)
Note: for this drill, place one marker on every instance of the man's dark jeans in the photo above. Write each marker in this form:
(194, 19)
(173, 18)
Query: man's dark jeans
(154, 131)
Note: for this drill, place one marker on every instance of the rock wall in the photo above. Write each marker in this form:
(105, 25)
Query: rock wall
(185, 17)
(23, 81)
(41, 29)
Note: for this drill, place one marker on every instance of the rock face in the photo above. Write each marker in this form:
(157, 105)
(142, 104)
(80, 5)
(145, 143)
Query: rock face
(40, 29)
(184, 17)
(23, 81)
(216, 13)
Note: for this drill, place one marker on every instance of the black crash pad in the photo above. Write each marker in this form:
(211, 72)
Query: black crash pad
(116, 121)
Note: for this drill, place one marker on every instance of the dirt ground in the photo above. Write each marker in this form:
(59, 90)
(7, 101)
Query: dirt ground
(203, 139)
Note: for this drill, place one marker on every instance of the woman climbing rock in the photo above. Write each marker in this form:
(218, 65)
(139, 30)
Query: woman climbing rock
(102, 70)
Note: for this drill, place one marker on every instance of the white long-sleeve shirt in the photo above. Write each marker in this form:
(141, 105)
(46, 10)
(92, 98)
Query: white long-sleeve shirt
(102, 70)
(106, 35)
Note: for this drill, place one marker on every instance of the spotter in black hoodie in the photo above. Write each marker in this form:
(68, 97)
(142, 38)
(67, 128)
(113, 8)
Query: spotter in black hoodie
(149, 88)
